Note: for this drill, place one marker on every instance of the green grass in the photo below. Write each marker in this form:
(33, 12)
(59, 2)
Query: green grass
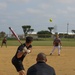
(50, 43)
(44, 42)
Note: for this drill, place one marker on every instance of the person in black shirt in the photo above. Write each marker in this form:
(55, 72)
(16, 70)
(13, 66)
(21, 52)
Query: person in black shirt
(22, 51)
(4, 41)
(41, 68)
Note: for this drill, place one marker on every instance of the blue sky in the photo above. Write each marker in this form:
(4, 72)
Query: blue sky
(16, 13)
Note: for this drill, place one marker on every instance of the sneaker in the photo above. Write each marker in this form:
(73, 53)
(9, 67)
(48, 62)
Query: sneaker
(50, 53)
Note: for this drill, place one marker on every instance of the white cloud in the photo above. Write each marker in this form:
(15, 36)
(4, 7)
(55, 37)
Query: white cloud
(44, 6)
(67, 1)
(66, 11)
(60, 11)
(50, 15)
(19, 0)
(34, 11)
(20, 13)
(25, 0)
(70, 9)
(3, 5)
(3, 21)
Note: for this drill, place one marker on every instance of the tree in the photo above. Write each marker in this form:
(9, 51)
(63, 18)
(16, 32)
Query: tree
(50, 29)
(26, 29)
(2, 34)
(43, 33)
(73, 31)
(31, 30)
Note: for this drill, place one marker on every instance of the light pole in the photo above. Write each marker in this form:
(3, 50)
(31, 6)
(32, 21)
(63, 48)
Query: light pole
(67, 27)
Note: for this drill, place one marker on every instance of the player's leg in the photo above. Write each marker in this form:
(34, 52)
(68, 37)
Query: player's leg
(2, 44)
(59, 50)
(52, 50)
(5, 44)
(22, 72)
(19, 66)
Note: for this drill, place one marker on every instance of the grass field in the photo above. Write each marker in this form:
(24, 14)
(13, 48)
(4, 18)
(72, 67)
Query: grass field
(63, 65)
(44, 42)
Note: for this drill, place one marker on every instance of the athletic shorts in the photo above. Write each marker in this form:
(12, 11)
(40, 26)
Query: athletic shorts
(18, 65)
(4, 42)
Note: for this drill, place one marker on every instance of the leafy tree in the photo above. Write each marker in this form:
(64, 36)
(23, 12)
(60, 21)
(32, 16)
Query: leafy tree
(26, 29)
(43, 33)
(73, 31)
(31, 30)
(2, 34)
(50, 29)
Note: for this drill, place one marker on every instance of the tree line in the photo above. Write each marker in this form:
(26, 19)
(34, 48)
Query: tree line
(43, 33)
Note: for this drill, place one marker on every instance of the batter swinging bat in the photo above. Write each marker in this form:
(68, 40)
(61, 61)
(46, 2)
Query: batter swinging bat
(15, 34)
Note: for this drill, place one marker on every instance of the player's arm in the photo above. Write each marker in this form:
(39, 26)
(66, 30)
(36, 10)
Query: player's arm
(25, 50)
(21, 52)
(30, 49)
(60, 43)
(53, 43)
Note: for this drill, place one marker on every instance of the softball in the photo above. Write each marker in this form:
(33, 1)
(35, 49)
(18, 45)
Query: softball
(50, 20)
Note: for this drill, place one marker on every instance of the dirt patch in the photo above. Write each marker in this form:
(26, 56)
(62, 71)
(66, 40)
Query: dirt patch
(63, 64)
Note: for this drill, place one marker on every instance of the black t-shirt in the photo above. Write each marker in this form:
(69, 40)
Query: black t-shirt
(41, 68)
(20, 48)
(4, 40)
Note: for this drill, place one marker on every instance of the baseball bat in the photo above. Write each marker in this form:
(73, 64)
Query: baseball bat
(13, 32)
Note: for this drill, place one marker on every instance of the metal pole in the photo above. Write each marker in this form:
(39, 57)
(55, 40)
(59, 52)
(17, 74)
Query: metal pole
(67, 27)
